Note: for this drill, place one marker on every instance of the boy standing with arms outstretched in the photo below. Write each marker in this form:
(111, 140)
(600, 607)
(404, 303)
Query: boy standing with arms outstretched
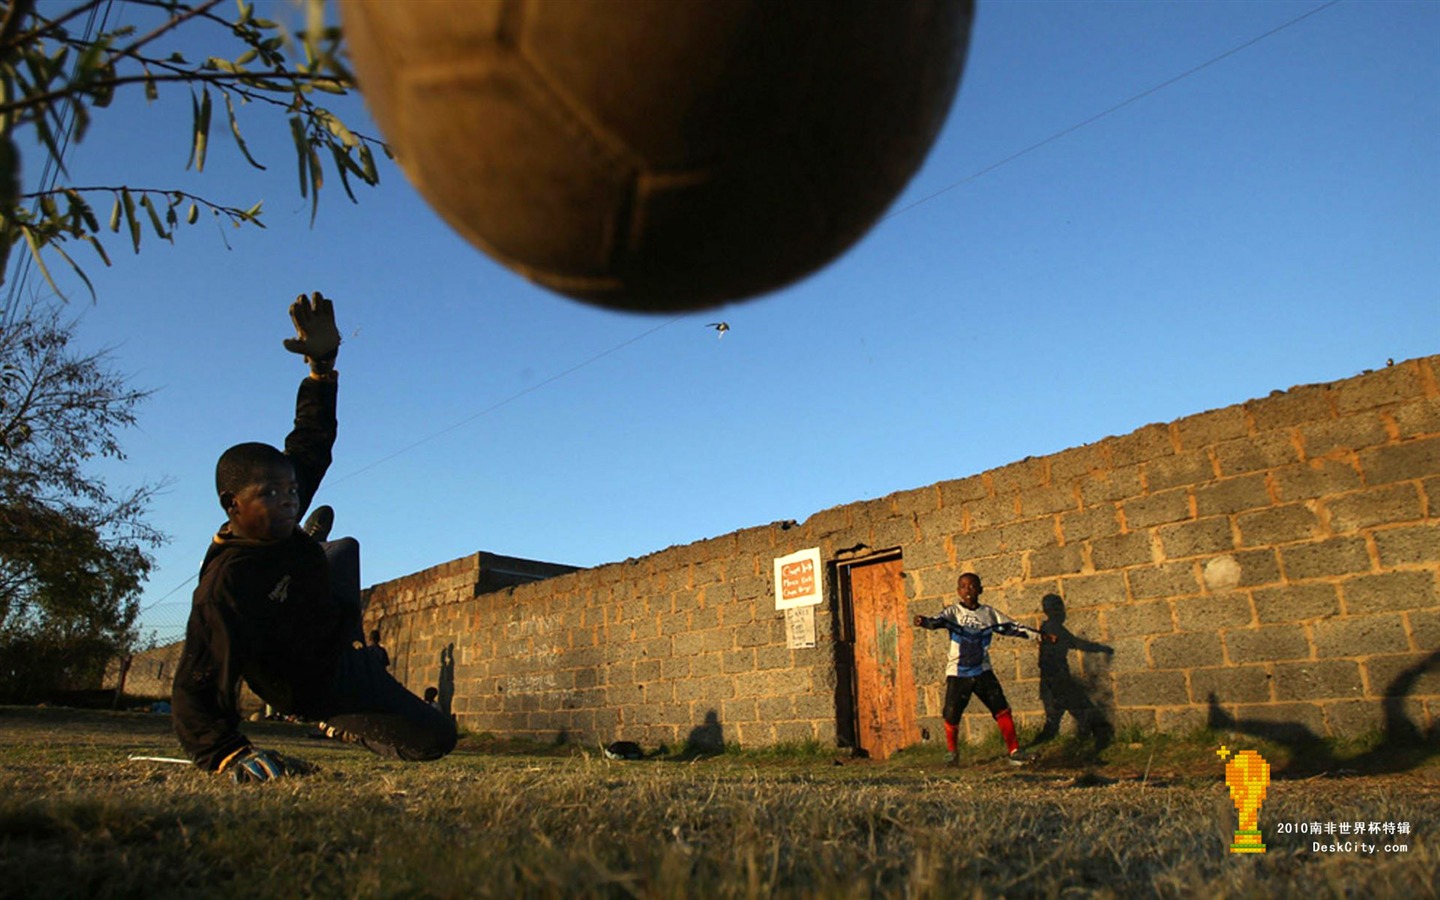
(281, 609)
(967, 667)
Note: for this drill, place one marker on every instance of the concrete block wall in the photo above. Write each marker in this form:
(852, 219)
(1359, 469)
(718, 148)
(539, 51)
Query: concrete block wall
(1277, 561)
(1273, 563)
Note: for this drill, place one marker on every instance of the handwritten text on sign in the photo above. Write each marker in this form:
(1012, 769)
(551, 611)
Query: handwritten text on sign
(797, 579)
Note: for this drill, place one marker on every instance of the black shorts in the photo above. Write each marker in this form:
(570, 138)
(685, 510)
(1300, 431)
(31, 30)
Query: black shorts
(985, 686)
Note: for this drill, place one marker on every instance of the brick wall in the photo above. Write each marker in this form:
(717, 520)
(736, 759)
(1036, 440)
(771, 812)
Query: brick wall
(1274, 563)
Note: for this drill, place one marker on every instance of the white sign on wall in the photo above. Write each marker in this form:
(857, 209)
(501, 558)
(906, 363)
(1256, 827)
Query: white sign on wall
(800, 627)
(797, 579)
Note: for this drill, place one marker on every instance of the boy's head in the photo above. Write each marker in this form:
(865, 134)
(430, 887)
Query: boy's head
(257, 488)
(431, 694)
(375, 637)
(969, 588)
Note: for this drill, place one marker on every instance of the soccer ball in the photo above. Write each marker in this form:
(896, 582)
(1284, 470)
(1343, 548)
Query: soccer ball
(659, 154)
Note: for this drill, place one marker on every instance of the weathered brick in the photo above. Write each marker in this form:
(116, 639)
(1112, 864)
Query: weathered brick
(1267, 643)
(1341, 437)
(1186, 651)
(978, 544)
(1408, 544)
(1307, 403)
(1232, 495)
(1318, 680)
(1151, 689)
(1377, 506)
(1017, 476)
(1179, 470)
(1390, 592)
(1417, 417)
(1149, 442)
(1110, 485)
(991, 513)
(1325, 559)
(1083, 591)
(1157, 509)
(1315, 478)
(1383, 387)
(1122, 550)
(1212, 613)
(1257, 567)
(1406, 460)
(1407, 674)
(919, 501)
(1353, 717)
(1048, 499)
(1180, 719)
(1202, 536)
(1271, 450)
(954, 493)
(1424, 628)
(1128, 654)
(1138, 618)
(1209, 428)
(1284, 718)
(1053, 561)
(1277, 525)
(998, 570)
(1067, 466)
(1360, 636)
(1230, 684)
(739, 661)
(742, 709)
(1165, 580)
(1089, 524)
(1296, 603)
(1029, 534)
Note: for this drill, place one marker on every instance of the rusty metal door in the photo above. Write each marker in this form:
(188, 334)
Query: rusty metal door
(883, 675)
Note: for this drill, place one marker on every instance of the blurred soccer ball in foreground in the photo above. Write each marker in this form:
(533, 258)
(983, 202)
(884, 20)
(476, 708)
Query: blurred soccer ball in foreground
(659, 154)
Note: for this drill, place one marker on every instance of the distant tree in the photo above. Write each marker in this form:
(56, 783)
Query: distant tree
(72, 553)
(54, 78)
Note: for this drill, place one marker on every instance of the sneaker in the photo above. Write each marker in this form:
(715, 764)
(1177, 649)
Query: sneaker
(952, 758)
(319, 524)
(1019, 757)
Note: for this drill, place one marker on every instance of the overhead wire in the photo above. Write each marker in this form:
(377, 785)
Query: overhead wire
(1055, 136)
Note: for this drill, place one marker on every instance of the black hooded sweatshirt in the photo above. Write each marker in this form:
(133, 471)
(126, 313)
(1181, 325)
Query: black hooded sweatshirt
(263, 611)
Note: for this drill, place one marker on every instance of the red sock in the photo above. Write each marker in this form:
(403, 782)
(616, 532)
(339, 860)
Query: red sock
(1007, 729)
(951, 732)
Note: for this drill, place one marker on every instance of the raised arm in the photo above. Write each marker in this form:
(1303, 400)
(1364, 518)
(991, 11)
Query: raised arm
(310, 441)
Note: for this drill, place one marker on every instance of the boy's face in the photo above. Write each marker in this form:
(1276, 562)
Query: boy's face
(267, 509)
(968, 587)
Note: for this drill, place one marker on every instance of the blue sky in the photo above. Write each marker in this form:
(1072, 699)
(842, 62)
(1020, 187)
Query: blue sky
(1272, 219)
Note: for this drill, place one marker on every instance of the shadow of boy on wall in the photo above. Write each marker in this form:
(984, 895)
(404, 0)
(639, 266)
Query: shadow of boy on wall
(446, 683)
(1403, 745)
(1060, 691)
(707, 739)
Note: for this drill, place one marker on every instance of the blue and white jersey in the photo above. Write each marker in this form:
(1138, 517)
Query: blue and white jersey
(970, 637)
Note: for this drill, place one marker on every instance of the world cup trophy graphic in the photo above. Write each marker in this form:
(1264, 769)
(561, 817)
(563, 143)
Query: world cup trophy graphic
(1247, 775)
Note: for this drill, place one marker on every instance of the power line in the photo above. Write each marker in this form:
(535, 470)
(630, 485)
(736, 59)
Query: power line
(512, 398)
(926, 199)
(1119, 106)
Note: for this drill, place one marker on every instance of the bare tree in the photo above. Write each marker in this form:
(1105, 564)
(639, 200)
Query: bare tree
(72, 552)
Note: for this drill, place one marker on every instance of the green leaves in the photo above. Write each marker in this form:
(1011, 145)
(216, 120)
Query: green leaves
(52, 80)
(200, 107)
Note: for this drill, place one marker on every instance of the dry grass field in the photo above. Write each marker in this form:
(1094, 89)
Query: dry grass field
(78, 818)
